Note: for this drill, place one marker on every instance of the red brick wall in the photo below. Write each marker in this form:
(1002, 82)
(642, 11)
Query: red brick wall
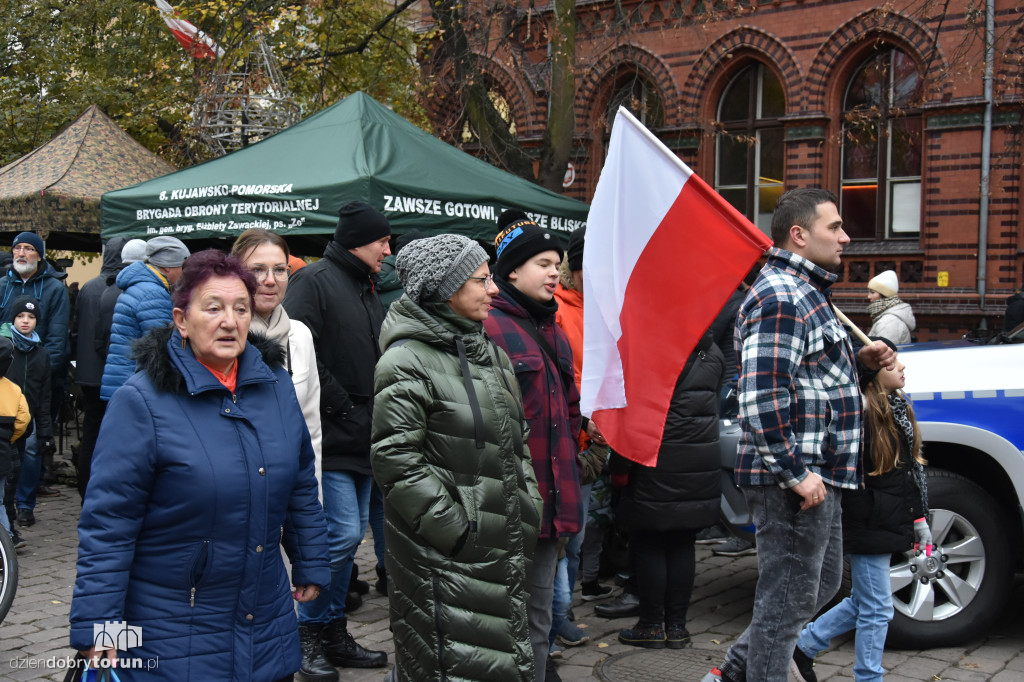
(813, 47)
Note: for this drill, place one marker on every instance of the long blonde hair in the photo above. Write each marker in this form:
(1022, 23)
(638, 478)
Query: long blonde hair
(881, 426)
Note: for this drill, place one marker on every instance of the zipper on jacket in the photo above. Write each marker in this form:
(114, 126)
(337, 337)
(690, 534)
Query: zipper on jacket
(201, 553)
(437, 627)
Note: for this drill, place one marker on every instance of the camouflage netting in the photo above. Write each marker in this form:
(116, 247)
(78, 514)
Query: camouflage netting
(56, 188)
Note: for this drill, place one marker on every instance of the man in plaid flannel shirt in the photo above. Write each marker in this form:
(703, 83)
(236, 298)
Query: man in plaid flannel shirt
(800, 446)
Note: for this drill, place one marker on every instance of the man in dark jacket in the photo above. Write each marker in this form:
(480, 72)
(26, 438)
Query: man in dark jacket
(336, 298)
(523, 324)
(31, 275)
(91, 354)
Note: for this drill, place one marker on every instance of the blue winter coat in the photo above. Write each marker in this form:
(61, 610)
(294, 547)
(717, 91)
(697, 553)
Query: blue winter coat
(144, 304)
(47, 287)
(191, 491)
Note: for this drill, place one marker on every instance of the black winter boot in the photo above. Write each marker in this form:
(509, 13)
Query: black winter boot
(356, 585)
(315, 668)
(344, 652)
(382, 580)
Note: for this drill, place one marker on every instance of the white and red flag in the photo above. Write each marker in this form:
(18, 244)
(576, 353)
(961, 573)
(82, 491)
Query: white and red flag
(195, 42)
(664, 253)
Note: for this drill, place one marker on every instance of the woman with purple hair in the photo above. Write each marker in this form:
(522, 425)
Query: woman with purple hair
(202, 467)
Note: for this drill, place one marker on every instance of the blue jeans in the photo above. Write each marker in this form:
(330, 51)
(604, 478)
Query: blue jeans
(565, 574)
(377, 523)
(800, 565)
(347, 507)
(868, 609)
(31, 472)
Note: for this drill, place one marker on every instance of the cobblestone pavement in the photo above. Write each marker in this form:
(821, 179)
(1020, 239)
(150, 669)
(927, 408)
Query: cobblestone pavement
(36, 628)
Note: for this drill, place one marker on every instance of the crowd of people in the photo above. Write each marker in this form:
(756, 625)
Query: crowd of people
(246, 421)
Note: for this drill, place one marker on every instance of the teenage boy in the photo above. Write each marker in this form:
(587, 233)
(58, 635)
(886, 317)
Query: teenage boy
(522, 322)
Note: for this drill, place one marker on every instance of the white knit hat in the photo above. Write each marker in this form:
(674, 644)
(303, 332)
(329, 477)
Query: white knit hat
(886, 283)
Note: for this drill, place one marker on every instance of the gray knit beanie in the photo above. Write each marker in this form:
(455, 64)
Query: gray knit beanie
(433, 269)
(166, 252)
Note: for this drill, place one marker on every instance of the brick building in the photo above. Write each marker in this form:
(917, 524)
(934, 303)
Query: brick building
(884, 105)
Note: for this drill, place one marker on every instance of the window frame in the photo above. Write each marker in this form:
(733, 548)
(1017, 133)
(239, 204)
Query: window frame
(751, 127)
(884, 181)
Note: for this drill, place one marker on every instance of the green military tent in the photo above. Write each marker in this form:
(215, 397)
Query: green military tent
(295, 182)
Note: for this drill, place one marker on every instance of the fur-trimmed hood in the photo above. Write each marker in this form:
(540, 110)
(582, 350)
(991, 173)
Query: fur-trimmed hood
(151, 355)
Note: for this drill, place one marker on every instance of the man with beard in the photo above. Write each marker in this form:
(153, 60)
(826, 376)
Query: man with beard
(800, 414)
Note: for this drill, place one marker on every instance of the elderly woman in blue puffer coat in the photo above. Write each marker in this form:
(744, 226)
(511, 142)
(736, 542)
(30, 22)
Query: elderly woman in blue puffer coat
(202, 468)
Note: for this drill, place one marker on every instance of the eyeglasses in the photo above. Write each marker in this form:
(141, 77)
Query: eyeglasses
(486, 281)
(281, 272)
(23, 248)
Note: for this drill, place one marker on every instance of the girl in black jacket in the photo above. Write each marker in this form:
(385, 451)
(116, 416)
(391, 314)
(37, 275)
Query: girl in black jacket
(889, 515)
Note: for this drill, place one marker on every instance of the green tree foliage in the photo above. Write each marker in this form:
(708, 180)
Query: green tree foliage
(58, 57)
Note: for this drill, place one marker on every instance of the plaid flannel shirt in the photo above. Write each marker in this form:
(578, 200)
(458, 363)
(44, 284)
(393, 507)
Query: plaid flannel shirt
(551, 402)
(800, 403)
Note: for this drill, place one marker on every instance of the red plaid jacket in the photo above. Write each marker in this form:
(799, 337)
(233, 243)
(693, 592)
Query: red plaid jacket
(552, 405)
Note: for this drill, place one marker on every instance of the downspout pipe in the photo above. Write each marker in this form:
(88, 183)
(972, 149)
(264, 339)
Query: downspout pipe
(986, 156)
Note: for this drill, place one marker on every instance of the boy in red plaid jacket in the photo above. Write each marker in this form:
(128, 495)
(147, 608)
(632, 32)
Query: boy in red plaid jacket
(523, 324)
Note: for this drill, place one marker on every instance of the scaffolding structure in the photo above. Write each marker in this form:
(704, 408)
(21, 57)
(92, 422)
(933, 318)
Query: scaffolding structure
(239, 108)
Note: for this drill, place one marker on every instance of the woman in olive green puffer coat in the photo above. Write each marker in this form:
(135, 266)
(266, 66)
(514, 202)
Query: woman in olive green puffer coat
(461, 505)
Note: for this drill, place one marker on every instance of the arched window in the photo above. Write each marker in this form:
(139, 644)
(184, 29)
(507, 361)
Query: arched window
(881, 182)
(504, 109)
(750, 159)
(641, 98)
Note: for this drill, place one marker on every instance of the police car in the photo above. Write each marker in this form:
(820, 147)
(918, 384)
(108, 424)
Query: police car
(969, 403)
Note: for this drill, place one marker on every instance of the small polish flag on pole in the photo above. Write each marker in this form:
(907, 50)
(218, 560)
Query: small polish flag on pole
(195, 42)
(664, 253)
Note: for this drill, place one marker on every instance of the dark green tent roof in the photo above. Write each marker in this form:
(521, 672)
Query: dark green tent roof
(295, 182)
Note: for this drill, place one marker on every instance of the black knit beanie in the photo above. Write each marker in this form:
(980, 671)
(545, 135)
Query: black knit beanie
(25, 304)
(520, 239)
(575, 252)
(360, 224)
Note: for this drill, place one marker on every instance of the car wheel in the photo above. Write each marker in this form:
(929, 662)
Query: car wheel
(959, 591)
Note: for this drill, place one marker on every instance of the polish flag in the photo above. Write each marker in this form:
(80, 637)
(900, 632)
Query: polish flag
(664, 253)
(195, 42)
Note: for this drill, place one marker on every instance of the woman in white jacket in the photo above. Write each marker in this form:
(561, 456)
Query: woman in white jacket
(266, 254)
(891, 318)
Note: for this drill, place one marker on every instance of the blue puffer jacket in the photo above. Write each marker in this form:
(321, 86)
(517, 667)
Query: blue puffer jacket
(144, 304)
(192, 489)
(47, 287)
